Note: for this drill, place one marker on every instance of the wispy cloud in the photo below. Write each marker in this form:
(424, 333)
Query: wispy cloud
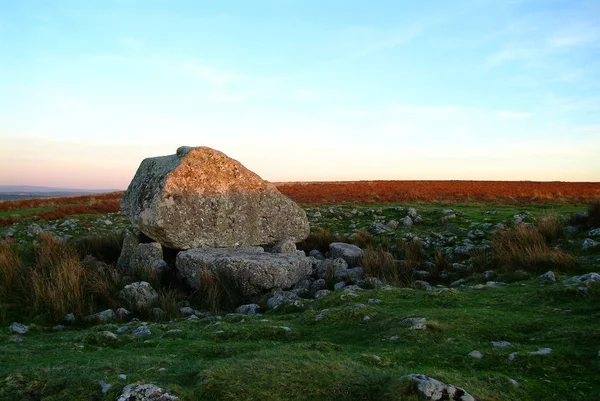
(204, 72)
(512, 115)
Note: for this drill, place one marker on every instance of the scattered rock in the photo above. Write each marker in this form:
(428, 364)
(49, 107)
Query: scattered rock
(285, 245)
(104, 386)
(594, 233)
(18, 328)
(513, 355)
(589, 243)
(431, 389)
(144, 392)
(199, 197)
(548, 276)
(102, 317)
(322, 293)
(142, 331)
(248, 309)
(139, 295)
(350, 253)
(186, 311)
(541, 351)
(501, 344)
(476, 354)
(513, 382)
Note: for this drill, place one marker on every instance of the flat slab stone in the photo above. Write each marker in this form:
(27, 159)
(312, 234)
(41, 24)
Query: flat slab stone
(255, 270)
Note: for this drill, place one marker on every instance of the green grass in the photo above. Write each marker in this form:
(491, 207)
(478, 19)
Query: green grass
(246, 358)
(332, 358)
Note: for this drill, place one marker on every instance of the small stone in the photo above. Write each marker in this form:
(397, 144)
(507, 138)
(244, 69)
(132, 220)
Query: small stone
(413, 320)
(513, 382)
(104, 386)
(18, 328)
(58, 327)
(589, 243)
(548, 276)
(339, 286)
(394, 338)
(501, 344)
(175, 331)
(374, 301)
(366, 319)
(248, 309)
(322, 293)
(418, 326)
(17, 340)
(123, 377)
(109, 334)
(186, 311)
(476, 354)
(69, 318)
(142, 331)
(122, 330)
(144, 392)
(513, 355)
(488, 274)
(541, 351)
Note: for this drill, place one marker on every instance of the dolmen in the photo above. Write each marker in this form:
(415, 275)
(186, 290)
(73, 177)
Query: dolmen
(218, 216)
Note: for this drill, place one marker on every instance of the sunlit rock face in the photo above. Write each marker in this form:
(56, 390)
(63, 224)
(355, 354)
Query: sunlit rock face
(199, 197)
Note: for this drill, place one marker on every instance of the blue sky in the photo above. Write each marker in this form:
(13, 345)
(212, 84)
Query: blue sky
(301, 90)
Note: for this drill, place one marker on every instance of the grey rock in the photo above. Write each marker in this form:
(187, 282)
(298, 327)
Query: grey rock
(412, 212)
(350, 253)
(392, 224)
(496, 284)
(589, 243)
(175, 331)
(422, 285)
(406, 222)
(322, 293)
(488, 274)
(338, 286)
(476, 354)
(285, 245)
(58, 327)
(366, 319)
(413, 320)
(142, 331)
(253, 269)
(248, 309)
(501, 344)
(276, 300)
(34, 230)
(374, 301)
(594, 233)
(130, 243)
(331, 267)
(18, 328)
(103, 317)
(315, 253)
(109, 334)
(18, 340)
(458, 282)
(199, 197)
(394, 338)
(186, 311)
(513, 382)
(122, 377)
(378, 228)
(431, 389)
(122, 330)
(139, 295)
(548, 276)
(459, 266)
(584, 278)
(464, 250)
(513, 355)
(69, 318)
(147, 258)
(418, 326)
(122, 313)
(541, 351)
(144, 392)
(104, 386)
(318, 285)
(10, 232)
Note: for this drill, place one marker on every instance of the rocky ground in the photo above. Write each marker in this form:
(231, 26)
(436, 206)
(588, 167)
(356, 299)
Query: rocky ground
(496, 334)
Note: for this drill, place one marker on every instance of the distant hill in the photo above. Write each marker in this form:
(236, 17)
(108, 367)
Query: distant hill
(32, 191)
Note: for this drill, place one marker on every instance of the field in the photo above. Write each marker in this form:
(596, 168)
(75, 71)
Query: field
(470, 268)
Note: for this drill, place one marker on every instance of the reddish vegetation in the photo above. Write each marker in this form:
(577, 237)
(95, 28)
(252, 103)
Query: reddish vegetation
(61, 207)
(441, 191)
(350, 191)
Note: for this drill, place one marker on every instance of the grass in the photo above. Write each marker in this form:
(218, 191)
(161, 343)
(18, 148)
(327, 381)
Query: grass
(242, 357)
(524, 247)
(332, 358)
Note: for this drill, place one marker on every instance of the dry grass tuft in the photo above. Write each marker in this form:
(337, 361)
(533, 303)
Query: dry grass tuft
(362, 238)
(381, 264)
(319, 239)
(523, 247)
(551, 227)
(11, 273)
(219, 290)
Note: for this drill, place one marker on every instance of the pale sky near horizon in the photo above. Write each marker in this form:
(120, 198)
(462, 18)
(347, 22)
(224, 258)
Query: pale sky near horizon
(301, 90)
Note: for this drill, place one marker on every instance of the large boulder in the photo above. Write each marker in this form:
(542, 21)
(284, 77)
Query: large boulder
(199, 197)
(253, 270)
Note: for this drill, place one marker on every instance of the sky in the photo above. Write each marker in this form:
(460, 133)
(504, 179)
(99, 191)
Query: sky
(301, 90)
